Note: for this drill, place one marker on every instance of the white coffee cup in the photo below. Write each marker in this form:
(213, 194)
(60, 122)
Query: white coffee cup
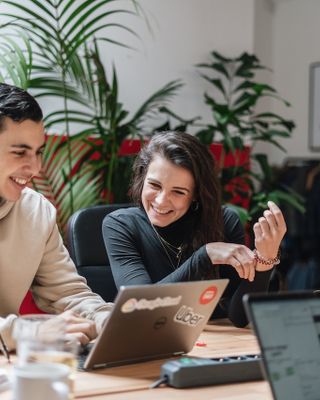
(40, 382)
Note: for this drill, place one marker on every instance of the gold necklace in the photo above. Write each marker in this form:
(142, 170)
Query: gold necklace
(176, 251)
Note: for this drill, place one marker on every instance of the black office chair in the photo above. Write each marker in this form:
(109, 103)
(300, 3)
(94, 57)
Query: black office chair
(87, 250)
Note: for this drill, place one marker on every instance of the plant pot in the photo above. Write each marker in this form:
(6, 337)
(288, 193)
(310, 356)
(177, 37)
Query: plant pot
(237, 189)
(130, 147)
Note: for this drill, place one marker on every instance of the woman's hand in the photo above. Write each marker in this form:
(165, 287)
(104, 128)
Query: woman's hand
(239, 256)
(268, 233)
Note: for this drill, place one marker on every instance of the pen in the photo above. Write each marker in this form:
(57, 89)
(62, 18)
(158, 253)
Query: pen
(4, 349)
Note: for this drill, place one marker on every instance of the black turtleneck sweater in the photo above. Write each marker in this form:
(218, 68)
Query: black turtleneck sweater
(138, 257)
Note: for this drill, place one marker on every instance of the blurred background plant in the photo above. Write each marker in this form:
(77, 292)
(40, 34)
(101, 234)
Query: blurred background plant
(52, 49)
(237, 124)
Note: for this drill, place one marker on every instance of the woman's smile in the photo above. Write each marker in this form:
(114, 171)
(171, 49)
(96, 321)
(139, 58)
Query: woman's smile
(167, 192)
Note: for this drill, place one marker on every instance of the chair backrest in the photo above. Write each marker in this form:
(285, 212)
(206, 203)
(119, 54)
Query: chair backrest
(87, 250)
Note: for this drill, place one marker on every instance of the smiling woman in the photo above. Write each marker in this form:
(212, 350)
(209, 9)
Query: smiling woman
(180, 232)
(167, 192)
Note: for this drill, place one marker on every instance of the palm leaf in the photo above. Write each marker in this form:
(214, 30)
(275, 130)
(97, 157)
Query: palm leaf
(55, 178)
(16, 63)
(159, 98)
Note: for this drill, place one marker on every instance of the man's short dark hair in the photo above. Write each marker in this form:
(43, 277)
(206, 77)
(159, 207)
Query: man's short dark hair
(17, 104)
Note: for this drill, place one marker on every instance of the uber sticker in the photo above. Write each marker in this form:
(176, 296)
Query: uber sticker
(187, 316)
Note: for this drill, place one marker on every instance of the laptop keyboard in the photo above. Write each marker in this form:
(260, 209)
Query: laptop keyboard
(83, 354)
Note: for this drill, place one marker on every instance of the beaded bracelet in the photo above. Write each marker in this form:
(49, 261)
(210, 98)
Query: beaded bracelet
(266, 261)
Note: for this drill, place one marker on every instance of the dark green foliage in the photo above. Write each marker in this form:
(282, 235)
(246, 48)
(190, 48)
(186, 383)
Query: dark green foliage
(236, 123)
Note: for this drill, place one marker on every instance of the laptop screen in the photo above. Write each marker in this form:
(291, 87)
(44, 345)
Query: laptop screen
(288, 330)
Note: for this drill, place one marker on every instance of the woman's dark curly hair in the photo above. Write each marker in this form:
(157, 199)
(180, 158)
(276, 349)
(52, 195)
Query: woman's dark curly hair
(186, 151)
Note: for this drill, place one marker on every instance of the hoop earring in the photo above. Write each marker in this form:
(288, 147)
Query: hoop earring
(195, 206)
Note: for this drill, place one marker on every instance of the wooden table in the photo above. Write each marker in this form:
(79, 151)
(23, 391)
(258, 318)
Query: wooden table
(133, 381)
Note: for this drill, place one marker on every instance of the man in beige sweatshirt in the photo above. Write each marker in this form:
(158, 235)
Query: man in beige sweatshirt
(32, 254)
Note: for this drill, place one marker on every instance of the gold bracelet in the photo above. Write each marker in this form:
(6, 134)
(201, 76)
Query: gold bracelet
(266, 261)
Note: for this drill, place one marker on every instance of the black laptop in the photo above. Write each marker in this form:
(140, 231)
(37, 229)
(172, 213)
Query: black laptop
(154, 321)
(287, 326)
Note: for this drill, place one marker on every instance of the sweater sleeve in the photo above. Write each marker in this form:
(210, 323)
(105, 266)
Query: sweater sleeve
(58, 287)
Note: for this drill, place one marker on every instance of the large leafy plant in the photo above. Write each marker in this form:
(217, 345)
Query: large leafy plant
(234, 101)
(52, 49)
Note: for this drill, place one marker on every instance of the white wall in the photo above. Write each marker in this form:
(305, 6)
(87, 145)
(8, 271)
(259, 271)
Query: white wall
(184, 34)
(263, 48)
(296, 33)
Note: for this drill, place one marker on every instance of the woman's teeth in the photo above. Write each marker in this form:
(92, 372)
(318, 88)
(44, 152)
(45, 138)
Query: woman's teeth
(160, 211)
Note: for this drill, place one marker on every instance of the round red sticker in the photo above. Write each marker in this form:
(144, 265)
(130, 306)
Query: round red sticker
(208, 295)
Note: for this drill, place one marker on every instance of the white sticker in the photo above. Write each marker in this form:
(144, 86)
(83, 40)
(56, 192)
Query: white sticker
(144, 304)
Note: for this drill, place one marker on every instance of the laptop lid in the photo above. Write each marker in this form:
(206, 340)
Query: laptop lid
(155, 321)
(287, 326)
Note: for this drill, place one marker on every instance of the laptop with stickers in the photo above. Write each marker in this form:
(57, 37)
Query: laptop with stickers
(287, 326)
(154, 321)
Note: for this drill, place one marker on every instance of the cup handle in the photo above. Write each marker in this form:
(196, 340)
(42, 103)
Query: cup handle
(61, 390)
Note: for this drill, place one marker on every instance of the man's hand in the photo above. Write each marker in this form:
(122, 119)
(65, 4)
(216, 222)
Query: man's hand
(84, 330)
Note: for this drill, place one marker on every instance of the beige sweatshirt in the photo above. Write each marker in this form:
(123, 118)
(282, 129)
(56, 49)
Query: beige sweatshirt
(32, 254)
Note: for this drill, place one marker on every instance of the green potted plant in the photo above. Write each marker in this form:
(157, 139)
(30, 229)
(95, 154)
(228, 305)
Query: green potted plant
(246, 176)
(53, 51)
